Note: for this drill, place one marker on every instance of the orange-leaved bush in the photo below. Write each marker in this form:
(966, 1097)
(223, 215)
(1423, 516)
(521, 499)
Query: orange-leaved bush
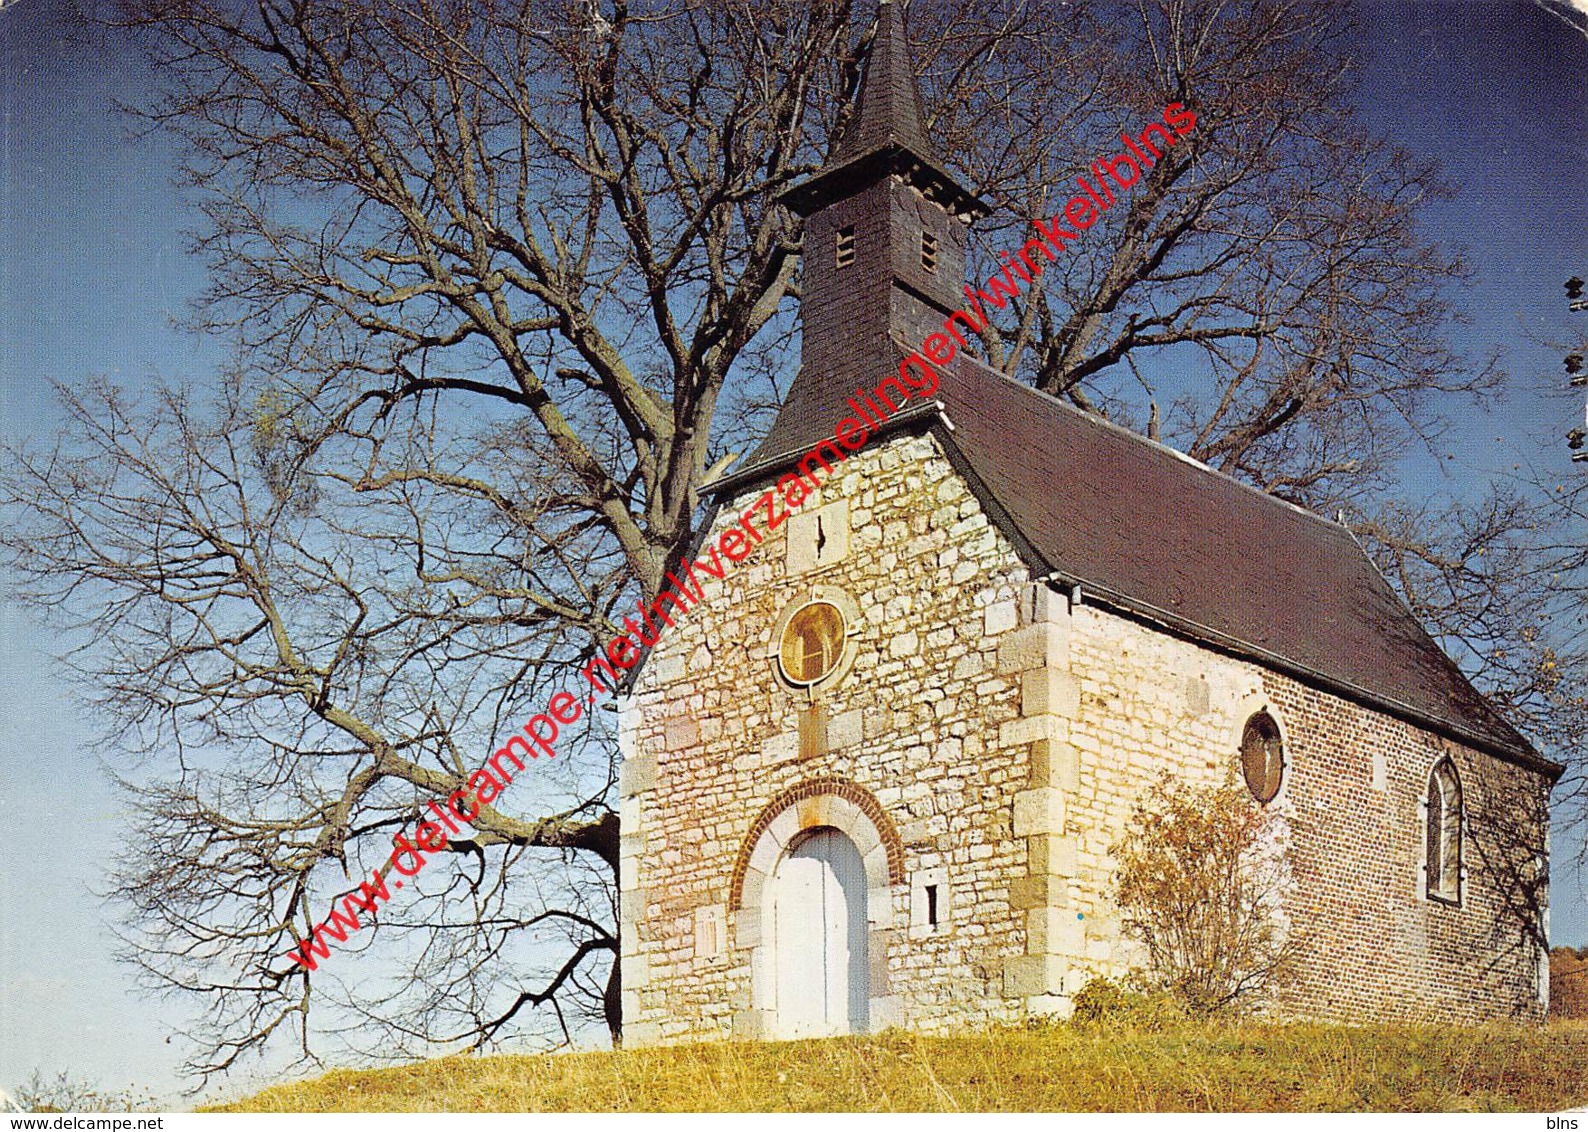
(1201, 870)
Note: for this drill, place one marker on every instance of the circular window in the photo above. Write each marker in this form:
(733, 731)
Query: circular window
(1262, 756)
(813, 643)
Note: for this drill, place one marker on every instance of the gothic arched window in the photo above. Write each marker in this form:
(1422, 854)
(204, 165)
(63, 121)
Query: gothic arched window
(1443, 847)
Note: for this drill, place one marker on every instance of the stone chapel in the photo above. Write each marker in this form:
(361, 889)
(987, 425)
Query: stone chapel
(874, 780)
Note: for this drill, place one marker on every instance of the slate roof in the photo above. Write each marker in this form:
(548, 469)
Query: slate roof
(1133, 524)
(886, 133)
(1141, 525)
(1149, 531)
(888, 107)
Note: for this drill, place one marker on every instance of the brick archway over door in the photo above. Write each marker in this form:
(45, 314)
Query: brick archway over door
(816, 802)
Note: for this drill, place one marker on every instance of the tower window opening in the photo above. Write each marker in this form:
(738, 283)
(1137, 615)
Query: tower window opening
(928, 251)
(931, 905)
(846, 245)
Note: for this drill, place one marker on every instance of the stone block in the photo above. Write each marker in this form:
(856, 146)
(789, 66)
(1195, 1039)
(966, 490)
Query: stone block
(1050, 691)
(1029, 975)
(628, 726)
(637, 776)
(780, 748)
(971, 664)
(812, 730)
(1054, 855)
(1039, 811)
(636, 970)
(817, 537)
(763, 979)
(887, 1012)
(783, 827)
(1075, 979)
(1059, 1006)
(630, 811)
(845, 730)
(631, 905)
(755, 882)
(865, 837)
(1055, 763)
(680, 733)
(1033, 729)
(877, 722)
(748, 1025)
(1000, 617)
(878, 980)
(747, 928)
(904, 644)
(1048, 606)
(815, 811)
(876, 861)
(628, 871)
(1055, 931)
(1037, 891)
(1035, 646)
(879, 907)
(637, 1034)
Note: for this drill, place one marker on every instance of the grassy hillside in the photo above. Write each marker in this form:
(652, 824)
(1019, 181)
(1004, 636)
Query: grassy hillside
(1568, 983)
(1189, 1068)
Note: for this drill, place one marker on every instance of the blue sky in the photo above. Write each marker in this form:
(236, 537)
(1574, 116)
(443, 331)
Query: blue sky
(93, 268)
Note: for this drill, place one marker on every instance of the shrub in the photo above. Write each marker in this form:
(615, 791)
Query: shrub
(65, 1093)
(1129, 1005)
(1200, 876)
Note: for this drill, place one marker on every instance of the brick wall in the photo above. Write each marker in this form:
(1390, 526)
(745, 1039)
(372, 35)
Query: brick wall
(1351, 801)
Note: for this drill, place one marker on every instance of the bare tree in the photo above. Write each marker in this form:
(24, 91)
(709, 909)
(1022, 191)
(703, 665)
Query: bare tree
(313, 665)
(1572, 13)
(509, 286)
(1263, 297)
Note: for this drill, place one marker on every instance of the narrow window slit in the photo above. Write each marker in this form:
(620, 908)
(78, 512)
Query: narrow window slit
(931, 905)
(928, 251)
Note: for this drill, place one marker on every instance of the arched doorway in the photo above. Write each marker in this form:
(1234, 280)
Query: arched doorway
(819, 934)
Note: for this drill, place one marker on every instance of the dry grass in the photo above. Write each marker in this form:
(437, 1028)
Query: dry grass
(1249, 1067)
(1568, 983)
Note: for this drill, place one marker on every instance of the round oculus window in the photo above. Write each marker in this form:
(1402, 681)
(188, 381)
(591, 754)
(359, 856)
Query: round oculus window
(813, 643)
(1262, 756)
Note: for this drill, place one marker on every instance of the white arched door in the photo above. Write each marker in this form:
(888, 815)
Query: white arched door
(819, 938)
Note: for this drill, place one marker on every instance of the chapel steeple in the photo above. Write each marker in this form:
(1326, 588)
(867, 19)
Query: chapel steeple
(884, 243)
(888, 107)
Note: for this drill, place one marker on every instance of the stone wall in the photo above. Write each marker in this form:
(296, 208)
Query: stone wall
(711, 738)
(990, 739)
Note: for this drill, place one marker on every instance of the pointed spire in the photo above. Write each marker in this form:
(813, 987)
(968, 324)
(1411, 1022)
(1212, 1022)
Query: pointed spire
(888, 109)
(885, 134)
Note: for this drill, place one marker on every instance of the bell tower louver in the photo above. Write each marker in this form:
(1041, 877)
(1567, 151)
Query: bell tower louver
(884, 244)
